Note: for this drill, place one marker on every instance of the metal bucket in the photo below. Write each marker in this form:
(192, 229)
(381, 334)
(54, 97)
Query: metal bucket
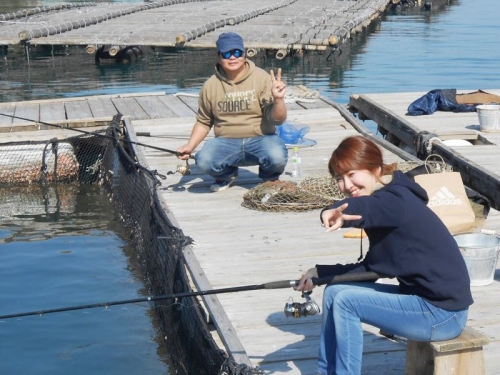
(489, 117)
(480, 252)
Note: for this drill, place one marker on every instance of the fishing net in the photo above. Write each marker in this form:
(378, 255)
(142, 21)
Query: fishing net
(230, 367)
(109, 159)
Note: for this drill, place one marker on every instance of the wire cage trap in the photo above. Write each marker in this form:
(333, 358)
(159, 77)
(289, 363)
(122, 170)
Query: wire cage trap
(316, 191)
(278, 196)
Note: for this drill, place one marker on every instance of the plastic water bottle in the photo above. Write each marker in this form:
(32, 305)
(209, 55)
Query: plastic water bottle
(296, 171)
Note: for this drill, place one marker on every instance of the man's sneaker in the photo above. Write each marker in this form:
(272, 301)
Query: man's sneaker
(221, 185)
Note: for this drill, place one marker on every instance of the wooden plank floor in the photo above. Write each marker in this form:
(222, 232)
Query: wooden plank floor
(237, 246)
(479, 160)
(91, 111)
(305, 24)
(447, 125)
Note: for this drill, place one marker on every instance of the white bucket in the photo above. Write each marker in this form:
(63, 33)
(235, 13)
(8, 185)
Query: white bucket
(489, 117)
(480, 252)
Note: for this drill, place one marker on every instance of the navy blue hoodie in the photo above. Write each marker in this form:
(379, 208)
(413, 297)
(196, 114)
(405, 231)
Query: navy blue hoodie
(408, 241)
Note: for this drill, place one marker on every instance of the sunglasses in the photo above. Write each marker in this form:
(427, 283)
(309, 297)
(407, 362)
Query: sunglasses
(234, 52)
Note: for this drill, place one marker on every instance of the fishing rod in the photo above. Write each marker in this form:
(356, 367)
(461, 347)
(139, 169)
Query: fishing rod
(361, 276)
(116, 119)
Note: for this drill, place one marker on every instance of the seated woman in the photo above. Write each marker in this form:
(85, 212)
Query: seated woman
(407, 242)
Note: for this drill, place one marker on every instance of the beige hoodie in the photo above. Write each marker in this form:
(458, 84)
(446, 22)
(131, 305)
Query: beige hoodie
(239, 109)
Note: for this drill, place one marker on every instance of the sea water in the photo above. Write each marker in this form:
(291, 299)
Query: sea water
(61, 248)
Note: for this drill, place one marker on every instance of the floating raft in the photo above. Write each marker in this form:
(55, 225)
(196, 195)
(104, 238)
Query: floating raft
(282, 26)
(459, 139)
(234, 245)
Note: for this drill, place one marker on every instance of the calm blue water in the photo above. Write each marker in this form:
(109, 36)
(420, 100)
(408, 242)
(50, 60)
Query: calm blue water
(453, 46)
(67, 248)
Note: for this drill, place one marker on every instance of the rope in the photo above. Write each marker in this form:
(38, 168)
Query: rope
(186, 94)
(423, 143)
(306, 97)
(43, 169)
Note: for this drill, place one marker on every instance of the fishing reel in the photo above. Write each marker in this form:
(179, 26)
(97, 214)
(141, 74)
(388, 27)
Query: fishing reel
(182, 169)
(297, 309)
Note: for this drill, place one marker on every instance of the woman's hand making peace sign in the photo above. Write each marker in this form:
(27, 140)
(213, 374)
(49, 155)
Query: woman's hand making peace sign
(333, 219)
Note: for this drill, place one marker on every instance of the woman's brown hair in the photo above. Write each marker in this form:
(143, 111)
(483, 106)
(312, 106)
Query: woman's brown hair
(358, 153)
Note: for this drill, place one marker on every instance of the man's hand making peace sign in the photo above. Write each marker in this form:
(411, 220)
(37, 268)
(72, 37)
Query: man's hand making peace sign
(278, 87)
(278, 90)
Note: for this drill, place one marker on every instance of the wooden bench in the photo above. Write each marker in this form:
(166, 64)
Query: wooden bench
(460, 356)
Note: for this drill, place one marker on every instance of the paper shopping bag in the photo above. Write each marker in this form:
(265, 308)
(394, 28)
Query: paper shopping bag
(448, 199)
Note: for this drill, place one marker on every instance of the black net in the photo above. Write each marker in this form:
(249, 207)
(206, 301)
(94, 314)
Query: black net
(108, 158)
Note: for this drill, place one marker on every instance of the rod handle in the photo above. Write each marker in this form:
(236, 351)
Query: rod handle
(348, 277)
(280, 284)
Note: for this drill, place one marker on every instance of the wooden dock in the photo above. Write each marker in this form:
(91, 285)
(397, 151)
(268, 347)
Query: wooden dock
(281, 26)
(236, 246)
(477, 162)
(92, 111)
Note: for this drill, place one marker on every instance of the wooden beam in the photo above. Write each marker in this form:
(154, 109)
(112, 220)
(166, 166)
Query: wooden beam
(473, 175)
(224, 326)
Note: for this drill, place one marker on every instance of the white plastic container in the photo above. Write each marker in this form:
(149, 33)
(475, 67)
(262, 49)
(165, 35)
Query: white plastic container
(489, 117)
(457, 143)
(480, 252)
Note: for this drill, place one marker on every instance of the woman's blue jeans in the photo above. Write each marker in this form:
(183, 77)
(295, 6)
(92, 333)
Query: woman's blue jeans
(220, 157)
(346, 306)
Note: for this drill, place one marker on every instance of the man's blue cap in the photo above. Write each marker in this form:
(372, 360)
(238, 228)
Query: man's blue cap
(229, 41)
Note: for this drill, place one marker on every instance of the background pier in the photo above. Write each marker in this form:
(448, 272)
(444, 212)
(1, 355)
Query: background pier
(278, 26)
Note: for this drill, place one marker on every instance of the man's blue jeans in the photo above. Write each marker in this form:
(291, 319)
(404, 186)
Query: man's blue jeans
(220, 157)
(346, 306)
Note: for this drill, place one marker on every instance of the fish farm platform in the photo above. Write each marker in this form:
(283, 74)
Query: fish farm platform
(236, 246)
(283, 27)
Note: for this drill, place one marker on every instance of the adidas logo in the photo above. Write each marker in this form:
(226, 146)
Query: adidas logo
(444, 197)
